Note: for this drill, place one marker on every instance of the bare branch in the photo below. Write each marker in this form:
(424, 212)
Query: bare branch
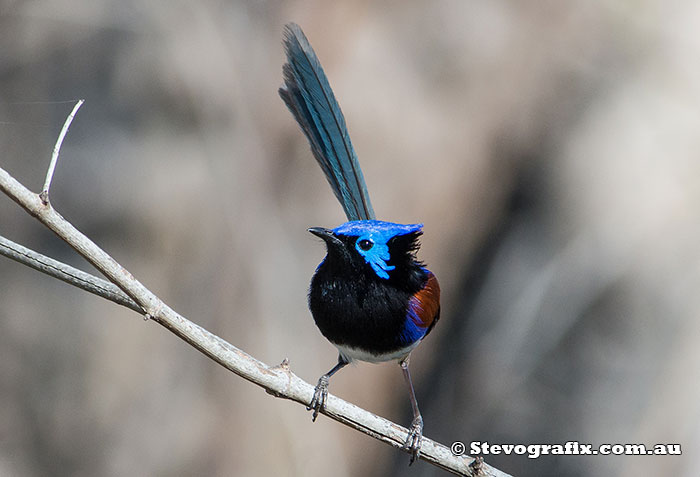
(56, 150)
(276, 380)
(66, 273)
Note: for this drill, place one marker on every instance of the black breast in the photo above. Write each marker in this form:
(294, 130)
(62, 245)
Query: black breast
(361, 310)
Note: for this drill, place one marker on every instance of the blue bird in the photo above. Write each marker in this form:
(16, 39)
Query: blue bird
(370, 296)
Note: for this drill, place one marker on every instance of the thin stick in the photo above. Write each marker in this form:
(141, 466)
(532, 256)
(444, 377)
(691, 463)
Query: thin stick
(278, 380)
(56, 150)
(66, 273)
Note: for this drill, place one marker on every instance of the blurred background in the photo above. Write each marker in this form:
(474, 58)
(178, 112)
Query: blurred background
(550, 148)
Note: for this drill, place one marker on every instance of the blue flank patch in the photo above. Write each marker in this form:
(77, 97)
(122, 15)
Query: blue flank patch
(412, 331)
(379, 233)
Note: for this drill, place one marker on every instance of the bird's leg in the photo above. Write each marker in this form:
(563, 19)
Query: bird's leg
(415, 432)
(318, 402)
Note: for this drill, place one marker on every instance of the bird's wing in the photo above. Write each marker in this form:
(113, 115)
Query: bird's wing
(309, 97)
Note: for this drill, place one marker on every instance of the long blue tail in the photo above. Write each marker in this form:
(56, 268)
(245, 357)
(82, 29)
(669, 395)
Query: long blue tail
(309, 97)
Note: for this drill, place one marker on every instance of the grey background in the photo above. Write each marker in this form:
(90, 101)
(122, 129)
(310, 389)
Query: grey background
(550, 148)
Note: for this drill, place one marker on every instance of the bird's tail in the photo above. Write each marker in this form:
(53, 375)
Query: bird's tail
(309, 97)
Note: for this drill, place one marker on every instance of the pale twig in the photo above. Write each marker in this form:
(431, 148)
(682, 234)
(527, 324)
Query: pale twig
(276, 380)
(56, 150)
(66, 273)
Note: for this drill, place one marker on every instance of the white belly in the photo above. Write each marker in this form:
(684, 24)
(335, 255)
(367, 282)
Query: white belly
(351, 354)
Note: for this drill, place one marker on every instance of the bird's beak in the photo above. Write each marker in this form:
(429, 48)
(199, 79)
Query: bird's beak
(326, 234)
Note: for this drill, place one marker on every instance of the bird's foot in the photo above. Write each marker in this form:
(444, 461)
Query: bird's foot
(415, 436)
(318, 402)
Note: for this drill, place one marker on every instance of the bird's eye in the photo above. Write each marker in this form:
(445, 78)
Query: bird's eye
(365, 244)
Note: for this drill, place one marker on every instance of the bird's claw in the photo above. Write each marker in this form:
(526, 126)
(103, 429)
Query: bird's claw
(318, 402)
(414, 439)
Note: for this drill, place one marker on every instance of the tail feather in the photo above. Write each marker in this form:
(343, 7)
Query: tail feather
(309, 97)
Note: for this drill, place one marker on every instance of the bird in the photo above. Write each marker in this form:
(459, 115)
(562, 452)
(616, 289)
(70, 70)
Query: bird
(370, 296)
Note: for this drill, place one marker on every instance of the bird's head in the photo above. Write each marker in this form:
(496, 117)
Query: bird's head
(372, 245)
